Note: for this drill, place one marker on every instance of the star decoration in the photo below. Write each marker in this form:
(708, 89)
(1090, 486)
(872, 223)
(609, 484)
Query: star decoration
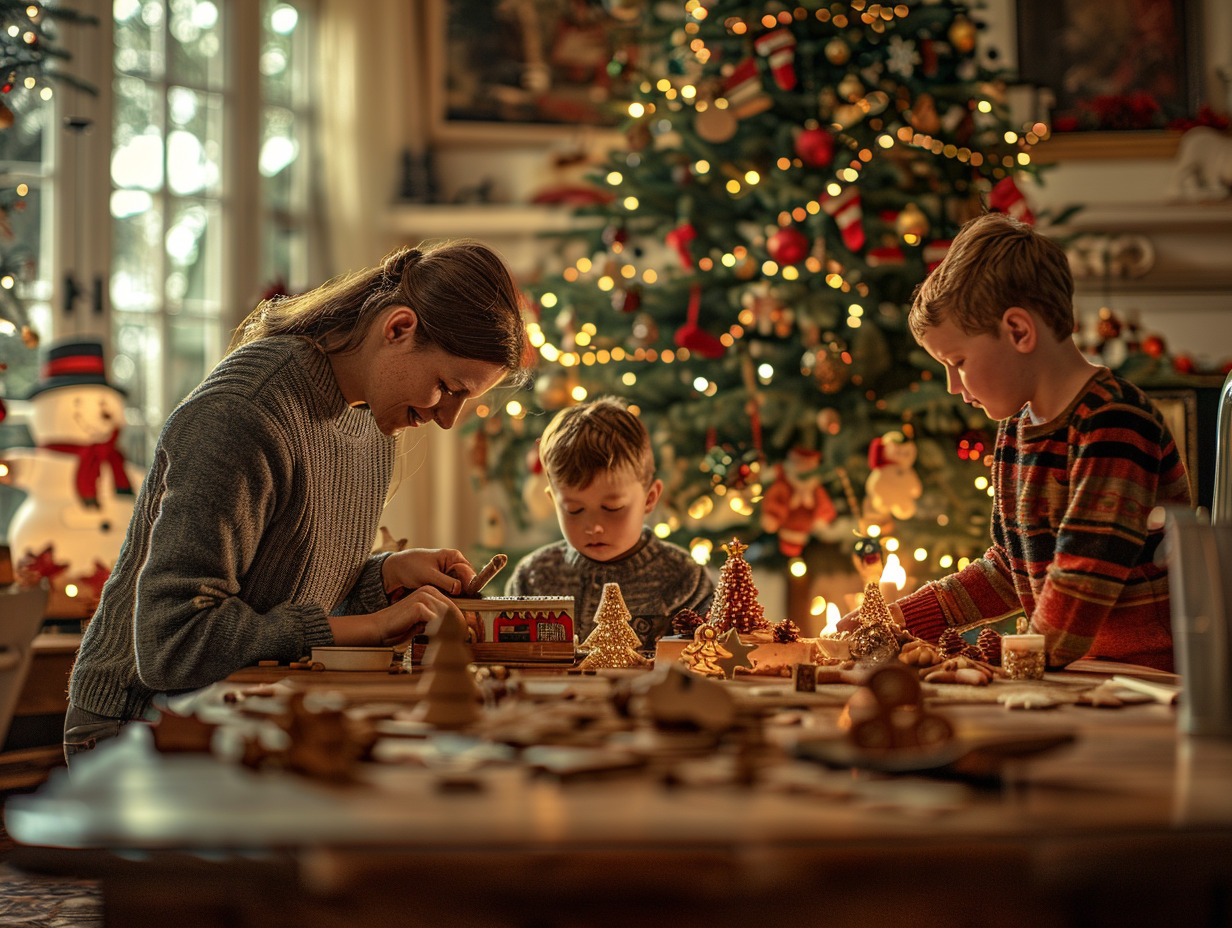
(94, 582)
(40, 565)
(735, 548)
(739, 654)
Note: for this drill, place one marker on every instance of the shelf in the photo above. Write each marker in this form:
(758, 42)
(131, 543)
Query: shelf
(485, 220)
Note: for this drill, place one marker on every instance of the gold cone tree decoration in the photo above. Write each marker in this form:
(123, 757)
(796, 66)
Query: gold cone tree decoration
(613, 642)
(874, 638)
(735, 602)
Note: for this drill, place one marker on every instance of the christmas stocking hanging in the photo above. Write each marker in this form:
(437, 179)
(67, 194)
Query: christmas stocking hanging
(848, 216)
(744, 91)
(779, 48)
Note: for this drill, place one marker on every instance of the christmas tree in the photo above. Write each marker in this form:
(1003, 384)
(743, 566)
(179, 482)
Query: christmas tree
(30, 62)
(789, 175)
(735, 602)
(613, 642)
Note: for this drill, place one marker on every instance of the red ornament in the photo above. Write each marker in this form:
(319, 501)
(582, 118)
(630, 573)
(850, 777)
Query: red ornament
(681, 238)
(788, 246)
(815, 147)
(615, 235)
(692, 336)
(1154, 346)
(627, 301)
(1109, 326)
(1184, 364)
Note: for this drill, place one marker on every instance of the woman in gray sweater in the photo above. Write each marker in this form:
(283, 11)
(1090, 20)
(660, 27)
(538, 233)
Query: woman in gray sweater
(251, 538)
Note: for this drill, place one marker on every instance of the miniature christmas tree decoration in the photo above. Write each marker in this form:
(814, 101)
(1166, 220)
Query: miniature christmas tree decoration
(449, 695)
(735, 602)
(874, 638)
(613, 642)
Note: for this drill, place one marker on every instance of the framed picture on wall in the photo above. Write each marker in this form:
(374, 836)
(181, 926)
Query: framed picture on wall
(1115, 76)
(521, 69)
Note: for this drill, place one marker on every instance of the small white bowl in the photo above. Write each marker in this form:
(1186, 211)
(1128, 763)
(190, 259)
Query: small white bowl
(337, 658)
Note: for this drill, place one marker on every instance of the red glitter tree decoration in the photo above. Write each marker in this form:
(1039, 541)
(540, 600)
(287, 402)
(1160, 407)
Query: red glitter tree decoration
(735, 602)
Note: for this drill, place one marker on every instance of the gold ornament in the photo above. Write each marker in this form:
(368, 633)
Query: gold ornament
(702, 656)
(911, 224)
(612, 642)
(837, 51)
(6, 117)
(826, 364)
(829, 420)
(850, 88)
(962, 35)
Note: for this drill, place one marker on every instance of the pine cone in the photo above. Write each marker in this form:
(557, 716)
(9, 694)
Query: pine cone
(786, 632)
(685, 622)
(989, 643)
(951, 643)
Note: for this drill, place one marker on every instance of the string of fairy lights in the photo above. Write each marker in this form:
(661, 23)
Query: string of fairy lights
(871, 105)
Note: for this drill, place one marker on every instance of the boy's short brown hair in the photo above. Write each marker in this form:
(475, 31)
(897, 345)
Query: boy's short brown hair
(585, 440)
(994, 263)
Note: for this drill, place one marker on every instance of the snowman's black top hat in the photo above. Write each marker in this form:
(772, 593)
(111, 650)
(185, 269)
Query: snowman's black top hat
(72, 363)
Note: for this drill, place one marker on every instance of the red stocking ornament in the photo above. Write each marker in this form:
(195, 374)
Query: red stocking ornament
(694, 337)
(779, 48)
(744, 90)
(848, 216)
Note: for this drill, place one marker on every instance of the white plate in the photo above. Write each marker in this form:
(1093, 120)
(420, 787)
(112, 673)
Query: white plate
(354, 658)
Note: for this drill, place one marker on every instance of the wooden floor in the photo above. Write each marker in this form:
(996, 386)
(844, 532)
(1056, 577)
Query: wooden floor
(32, 900)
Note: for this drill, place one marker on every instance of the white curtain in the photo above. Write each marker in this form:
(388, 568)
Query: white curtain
(371, 92)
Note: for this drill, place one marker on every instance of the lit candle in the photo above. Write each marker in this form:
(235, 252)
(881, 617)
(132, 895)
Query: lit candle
(833, 647)
(893, 579)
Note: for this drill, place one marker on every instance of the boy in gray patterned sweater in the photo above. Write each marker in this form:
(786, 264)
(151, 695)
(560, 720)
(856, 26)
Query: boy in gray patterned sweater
(601, 475)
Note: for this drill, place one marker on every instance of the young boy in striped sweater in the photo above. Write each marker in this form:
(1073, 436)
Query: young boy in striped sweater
(1082, 467)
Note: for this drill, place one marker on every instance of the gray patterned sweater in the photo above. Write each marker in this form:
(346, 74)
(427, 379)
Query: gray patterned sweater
(255, 524)
(657, 579)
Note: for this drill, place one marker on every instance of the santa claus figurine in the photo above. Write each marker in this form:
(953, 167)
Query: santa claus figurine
(80, 490)
(893, 485)
(796, 503)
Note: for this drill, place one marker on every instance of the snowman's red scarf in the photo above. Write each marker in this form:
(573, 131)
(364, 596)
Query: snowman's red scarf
(93, 457)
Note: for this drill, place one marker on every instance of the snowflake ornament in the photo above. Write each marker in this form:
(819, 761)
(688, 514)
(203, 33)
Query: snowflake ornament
(902, 56)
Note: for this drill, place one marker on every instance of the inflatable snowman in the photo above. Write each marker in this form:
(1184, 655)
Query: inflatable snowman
(80, 490)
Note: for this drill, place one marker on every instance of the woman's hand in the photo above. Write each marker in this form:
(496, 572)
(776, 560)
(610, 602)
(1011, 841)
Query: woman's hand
(444, 568)
(396, 624)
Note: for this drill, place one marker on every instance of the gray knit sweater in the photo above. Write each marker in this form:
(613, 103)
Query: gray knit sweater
(255, 524)
(657, 579)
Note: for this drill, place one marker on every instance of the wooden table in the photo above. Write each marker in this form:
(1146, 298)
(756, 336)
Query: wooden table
(1130, 824)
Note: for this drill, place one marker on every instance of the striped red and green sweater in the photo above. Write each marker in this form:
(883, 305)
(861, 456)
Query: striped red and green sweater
(1076, 533)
